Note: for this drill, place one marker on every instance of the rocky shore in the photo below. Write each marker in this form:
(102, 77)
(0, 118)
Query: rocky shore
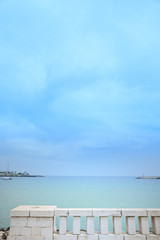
(4, 233)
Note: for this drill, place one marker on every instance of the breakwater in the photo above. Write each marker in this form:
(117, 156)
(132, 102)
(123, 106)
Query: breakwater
(149, 177)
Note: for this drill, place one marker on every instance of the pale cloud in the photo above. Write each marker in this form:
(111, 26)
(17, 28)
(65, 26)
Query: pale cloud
(105, 100)
(26, 77)
(20, 127)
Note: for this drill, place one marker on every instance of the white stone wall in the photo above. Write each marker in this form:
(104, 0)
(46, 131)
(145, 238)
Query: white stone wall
(38, 223)
(32, 223)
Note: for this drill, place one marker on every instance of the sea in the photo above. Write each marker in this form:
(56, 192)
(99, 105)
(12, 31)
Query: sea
(78, 192)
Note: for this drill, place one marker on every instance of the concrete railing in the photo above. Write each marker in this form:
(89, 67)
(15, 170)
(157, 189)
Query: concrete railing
(38, 223)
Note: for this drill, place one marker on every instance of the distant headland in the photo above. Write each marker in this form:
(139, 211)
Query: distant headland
(149, 177)
(15, 174)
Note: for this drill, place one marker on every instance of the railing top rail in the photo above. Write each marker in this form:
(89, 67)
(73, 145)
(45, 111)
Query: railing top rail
(48, 211)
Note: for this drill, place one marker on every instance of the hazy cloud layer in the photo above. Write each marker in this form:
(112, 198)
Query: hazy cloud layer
(79, 87)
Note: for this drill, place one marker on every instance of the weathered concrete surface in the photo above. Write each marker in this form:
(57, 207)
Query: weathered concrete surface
(38, 223)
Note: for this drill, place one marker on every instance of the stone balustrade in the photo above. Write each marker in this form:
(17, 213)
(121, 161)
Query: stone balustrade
(38, 223)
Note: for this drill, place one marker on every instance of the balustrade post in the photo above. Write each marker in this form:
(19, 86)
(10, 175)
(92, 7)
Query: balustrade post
(155, 218)
(76, 225)
(143, 225)
(130, 225)
(62, 225)
(103, 221)
(62, 213)
(117, 225)
(90, 225)
(155, 224)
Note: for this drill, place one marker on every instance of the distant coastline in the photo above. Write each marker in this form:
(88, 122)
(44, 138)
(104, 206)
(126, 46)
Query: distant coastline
(149, 177)
(15, 174)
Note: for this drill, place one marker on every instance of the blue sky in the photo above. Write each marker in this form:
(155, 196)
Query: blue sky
(80, 87)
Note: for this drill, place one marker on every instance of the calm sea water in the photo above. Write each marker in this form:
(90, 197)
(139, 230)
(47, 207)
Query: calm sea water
(98, 192)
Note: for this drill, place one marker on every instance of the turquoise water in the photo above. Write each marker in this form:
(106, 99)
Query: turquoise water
(114, 192)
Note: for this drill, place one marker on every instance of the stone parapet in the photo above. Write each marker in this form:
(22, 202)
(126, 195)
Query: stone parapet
(38, 223)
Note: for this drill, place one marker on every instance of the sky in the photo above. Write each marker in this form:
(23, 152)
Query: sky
(80, 87)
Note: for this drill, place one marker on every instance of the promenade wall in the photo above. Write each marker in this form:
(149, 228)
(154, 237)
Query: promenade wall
(38, 223)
